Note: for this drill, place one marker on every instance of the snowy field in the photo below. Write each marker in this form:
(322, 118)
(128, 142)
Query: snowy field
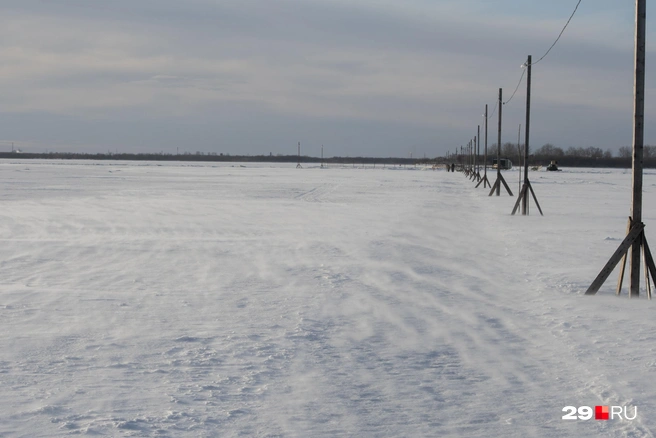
(206, 300)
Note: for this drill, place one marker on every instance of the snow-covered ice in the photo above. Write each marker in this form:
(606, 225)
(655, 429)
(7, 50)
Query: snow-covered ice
(183, 299)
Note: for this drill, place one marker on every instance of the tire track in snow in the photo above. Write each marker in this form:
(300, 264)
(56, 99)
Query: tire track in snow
(318, 194)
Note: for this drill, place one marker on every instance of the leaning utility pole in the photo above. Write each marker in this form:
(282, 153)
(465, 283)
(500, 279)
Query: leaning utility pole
(635, 239)
(523, 194)
(497, 184)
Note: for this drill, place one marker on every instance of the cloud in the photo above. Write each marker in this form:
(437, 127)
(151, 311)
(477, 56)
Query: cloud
(415, 64)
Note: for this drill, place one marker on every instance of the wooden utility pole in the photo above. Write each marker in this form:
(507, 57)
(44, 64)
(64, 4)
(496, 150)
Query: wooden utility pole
(322, 166)
(638, 142)
(477, 152)
(526, 188)
(635, 239)
(299, 156)
(474, 161)
(526, 136)
(460, 159)
(468, 159)
(471, 157)
(499, 142)
(484, 180)
(497, 184)
(519, 156)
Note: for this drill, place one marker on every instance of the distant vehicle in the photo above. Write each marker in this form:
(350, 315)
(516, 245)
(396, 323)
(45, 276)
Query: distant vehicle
(505, 164)
(553, 166)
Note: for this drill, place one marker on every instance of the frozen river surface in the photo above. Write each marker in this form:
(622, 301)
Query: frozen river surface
(181, 300)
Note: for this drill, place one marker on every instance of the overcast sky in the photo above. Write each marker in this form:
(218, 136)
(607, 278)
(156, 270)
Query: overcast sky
(361, 77)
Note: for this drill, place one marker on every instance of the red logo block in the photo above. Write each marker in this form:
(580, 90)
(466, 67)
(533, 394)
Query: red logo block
(601, 412)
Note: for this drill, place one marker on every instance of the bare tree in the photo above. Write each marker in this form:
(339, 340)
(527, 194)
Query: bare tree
(509, 149)
(593, 152)
(549, 150)
(625, 152)
(574, 152)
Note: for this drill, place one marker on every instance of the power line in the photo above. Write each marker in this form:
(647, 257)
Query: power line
(493, 111)
(546, 53)
(541, 58)
(559, 35)
(518, 84)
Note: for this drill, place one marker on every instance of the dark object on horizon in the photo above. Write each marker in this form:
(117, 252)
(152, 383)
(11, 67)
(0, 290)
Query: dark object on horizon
(506, 164)
(553, 166)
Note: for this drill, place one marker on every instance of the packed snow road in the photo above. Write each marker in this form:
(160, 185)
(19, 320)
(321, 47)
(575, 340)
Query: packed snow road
(145, 299)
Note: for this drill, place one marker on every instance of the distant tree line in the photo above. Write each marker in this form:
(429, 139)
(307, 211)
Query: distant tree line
(572, 156)
(216, 158)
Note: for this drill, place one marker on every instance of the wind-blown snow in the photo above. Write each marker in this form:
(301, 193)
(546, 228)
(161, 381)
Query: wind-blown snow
(146, 299)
